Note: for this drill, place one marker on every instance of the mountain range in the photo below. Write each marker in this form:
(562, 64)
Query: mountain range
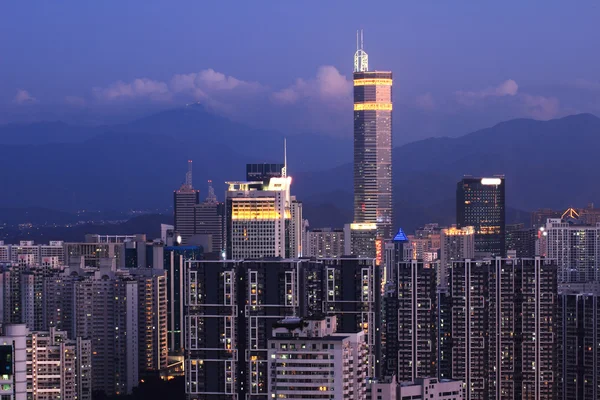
(137, 165)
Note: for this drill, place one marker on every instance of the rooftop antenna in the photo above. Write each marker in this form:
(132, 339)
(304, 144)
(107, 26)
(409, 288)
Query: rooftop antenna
(211, 197)
(188, 176)
(361, 59)
(284, 169)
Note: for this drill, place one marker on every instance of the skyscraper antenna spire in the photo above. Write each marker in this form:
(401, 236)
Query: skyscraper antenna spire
(188, 176)
(284, 170)
(211, 197)
(361, 59)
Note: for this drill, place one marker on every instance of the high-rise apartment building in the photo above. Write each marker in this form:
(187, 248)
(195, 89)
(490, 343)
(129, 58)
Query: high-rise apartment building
(578, 331)
(411, 322)
(263, 222)
(107, 308)
(502, 328)
(455, 244)
(349, 288)
(230, 309)
(58, 367)
(308, 359)
(480, 203)
(576, 248)
(152, 324)
(174, 265)
(324, 243)
(12, 252)
(13, 362)
(372, 146)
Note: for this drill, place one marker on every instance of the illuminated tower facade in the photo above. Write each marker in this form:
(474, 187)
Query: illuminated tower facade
(372, 145)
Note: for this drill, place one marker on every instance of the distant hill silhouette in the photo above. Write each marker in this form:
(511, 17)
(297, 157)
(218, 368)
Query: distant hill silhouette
(138, 165)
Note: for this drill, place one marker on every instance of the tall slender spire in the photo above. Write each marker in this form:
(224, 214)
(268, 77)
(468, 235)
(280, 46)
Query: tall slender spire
(188, 176)
(361, 59)
(284, 169)
(211, 197)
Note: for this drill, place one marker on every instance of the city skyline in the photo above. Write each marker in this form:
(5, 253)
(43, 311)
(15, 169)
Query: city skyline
(336, 266)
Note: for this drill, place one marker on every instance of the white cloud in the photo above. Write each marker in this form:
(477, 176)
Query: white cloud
(540, 107)
(138, 88)
(328, 85)
(425, 101)
(23, 97)
(506, 88)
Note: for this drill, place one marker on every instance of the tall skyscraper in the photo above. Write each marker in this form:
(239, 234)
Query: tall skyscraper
(480, 203)
(372, 145)
(185, 200)
(324, 243)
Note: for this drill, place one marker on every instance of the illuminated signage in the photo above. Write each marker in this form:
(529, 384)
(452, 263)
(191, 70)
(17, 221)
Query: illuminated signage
(378, 251)
(372, 82)
(373, 106)
(362, 227)
(491, 181)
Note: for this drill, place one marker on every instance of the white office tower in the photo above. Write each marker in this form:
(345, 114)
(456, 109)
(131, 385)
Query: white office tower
(576, 249)
(308, 359)
(263, 220)
(455, 245)
(324, 243)
(13, 362)
(58, 368)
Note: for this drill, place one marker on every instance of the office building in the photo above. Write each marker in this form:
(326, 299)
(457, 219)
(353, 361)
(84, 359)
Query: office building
(360, 240)
(578, 330)
(13, 362)
(230, 309)
(480, 203)
(323, 243)
(95, 255)
(144, 254)
(263, 172)
(174, 263)
(455, 244)
(502, 328)
(521, 241)
(349, 288)
(58, 367)
(576, 247)
(411, 334)
(308, 359)
(185, 200)
(265, 222)
(372, 146)
(96, 238)
(210, 221)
